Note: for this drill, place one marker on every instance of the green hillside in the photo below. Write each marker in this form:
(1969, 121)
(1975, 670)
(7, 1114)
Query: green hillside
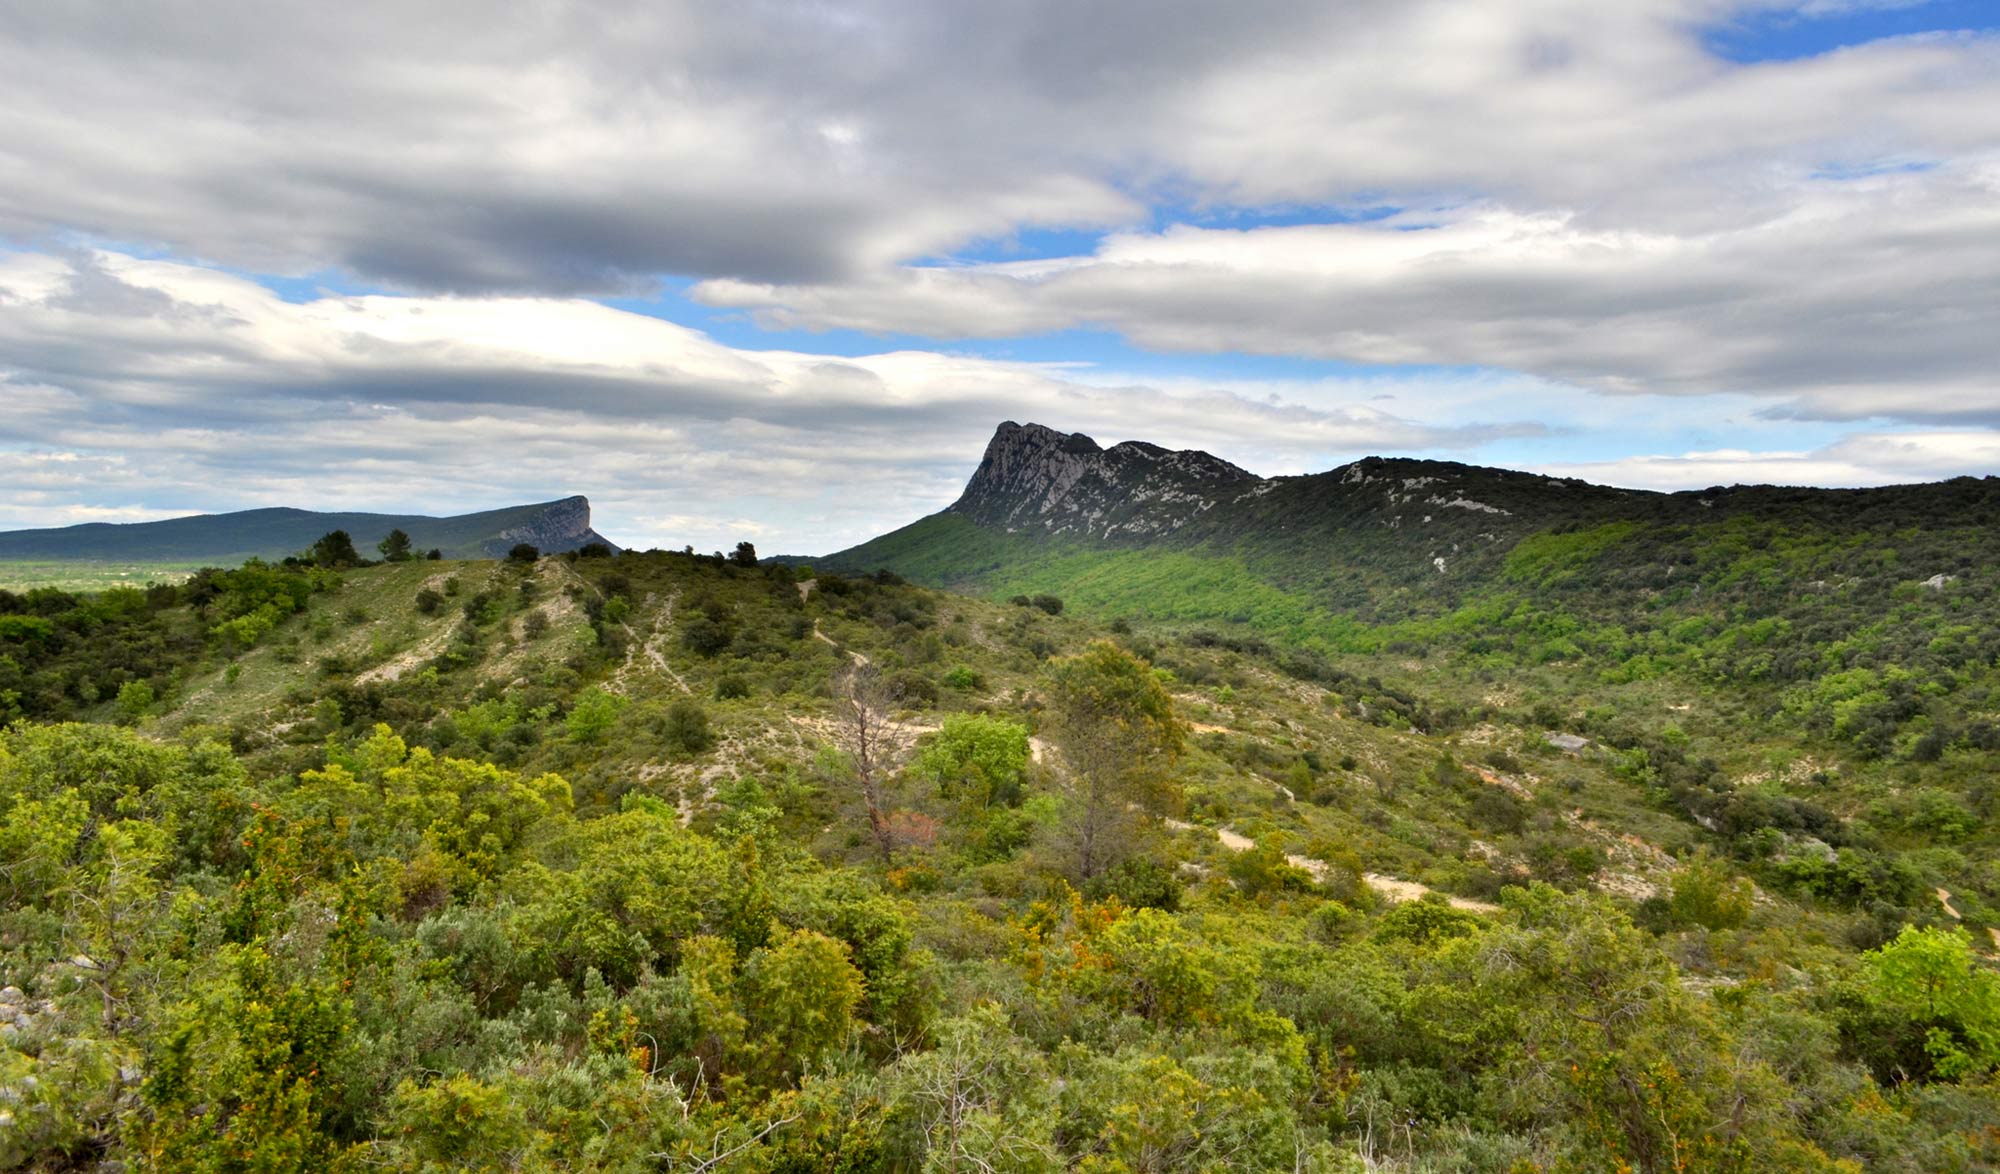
(663, 862)
(1868, 616)
(271, 534)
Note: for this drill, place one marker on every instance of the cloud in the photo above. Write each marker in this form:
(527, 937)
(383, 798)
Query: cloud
(146, 384)
(1872, 297)
(1585, 198)
(586, 148)
(1855, 460)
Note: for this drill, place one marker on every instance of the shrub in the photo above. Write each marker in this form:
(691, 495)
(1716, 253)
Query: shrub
(913, 689)
(731, 687)
(134, 699)
(1705, 894)
(704, 637)
(523, 552)
(593, 715)
(685, 729)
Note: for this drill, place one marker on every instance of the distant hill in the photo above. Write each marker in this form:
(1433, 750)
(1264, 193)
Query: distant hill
(227, 539)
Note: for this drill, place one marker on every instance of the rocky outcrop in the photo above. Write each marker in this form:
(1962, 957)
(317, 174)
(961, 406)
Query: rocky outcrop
(559, 526)
(1036, 478)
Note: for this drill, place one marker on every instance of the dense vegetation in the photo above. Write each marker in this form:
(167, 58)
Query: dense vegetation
(669, 862)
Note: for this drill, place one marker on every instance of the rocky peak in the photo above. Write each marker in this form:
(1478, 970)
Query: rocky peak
(1036, 478)
(556, 526)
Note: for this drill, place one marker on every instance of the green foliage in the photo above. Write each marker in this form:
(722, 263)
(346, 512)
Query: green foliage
(800, 993)
(1707, 895)
(386, 931)
(135, 699)
(1927, 984)
(976, 758)
(593, 715)
(395, 547)
(1118, 732)
(334, 550)
(685, 729)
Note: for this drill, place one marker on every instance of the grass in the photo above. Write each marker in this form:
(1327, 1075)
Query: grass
(84, 575)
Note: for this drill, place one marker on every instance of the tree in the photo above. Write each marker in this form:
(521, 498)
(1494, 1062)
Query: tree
(1117, 731)
(1930, 994)
(523, 552)
(395, 548)
(745, 555)
(976, 759)
(861, 699)
(334, 549)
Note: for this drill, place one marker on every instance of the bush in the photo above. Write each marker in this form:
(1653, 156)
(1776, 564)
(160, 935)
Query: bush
(913, 689)
(731, 687)
(135, 698)
(593, 715)
(685, 729)
(1705, 894)
(523, 553)
(704, 637)
(428, 601)
(963, 677)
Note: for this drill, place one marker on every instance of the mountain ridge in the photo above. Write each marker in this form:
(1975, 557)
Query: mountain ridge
(1382, 550)
(1042, 484)
(276, 531)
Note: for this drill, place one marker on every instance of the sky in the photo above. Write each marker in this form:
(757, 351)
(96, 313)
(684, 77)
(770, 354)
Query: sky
(774, 271)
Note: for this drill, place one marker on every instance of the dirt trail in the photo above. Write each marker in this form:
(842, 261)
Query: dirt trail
(1944, 899)
(822, 636)
(635, 647)
(662, 627)
(1390, 887)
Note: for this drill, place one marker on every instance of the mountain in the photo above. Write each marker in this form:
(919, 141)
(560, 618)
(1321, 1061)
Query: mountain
(1874, 611)
(1381, 538)
(274, 533)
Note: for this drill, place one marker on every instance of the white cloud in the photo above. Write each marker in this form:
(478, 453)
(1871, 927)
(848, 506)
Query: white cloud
(1871, 297)
(160, 382)
(1589, 199)
(583, 147)
(1857, 460)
